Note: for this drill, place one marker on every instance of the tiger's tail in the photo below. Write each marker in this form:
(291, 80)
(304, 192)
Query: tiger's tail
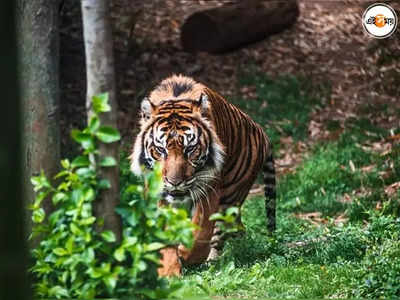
(270, 192)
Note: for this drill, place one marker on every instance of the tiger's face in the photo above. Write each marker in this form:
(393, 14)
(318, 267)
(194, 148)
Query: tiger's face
(182, 148)
(177, 134)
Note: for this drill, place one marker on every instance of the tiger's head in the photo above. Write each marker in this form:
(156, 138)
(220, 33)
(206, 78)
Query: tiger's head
(176, 131)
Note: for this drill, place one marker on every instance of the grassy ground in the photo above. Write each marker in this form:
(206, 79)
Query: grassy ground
(338, 231)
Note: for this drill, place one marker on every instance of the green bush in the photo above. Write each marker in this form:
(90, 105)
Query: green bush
(378, 275)
(76, 259)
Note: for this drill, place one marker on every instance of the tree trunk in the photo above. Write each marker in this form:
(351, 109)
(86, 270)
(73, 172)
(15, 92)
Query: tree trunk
(100, 79)
(13, 251)
(229, 27)
(38, 43)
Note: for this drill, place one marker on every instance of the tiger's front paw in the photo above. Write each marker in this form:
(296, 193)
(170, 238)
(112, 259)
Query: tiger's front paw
(171, 265)
(213, 255)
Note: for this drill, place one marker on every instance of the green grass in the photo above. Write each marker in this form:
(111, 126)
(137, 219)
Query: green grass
(282, 106)
(267, 280)
(357, 259)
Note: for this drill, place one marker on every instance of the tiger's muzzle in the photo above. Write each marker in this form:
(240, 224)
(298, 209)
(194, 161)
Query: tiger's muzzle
(178, 189)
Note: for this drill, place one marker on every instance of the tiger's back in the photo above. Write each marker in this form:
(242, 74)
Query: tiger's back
(247, 148)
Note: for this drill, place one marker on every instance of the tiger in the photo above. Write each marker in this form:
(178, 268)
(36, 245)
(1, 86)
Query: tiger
(211, 153)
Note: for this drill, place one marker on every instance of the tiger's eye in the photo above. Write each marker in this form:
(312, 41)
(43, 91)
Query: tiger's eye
(155, 154)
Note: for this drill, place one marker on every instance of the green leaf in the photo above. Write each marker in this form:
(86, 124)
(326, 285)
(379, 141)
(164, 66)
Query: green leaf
(108, 236)
(85, 172)
(88, 291)
(87, 221)
(89, 194)
(119, 254)
(110, 282)
(60, 251)
(88, 237)
(88, 255)
(88, 144)
(38, 215)
(60, 196)
(40, 182)
(150, 293)
(216, 216)
(64, 186)
(134, 189)
(56, 216)
(108, 161)
(77, 135)
(100, 103)
(105, 268)
(35, 180)
(117, 270)
(128, 215)
(94, 272)
(154, 246)
(104, 184)
(232, 211)
(80, 161)
(152, 257)
(69, 245)
(85, 139)
(77, 196)
(107, 134)
(65, 163)
(61, 174)
(94, 124)
(58, 292)
(141, 265)
(39, 198)
(75, 229)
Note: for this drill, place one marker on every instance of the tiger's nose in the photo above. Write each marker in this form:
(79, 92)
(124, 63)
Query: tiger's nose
(174, 181)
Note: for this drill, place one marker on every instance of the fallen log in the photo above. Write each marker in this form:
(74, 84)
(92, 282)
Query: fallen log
(230, 27)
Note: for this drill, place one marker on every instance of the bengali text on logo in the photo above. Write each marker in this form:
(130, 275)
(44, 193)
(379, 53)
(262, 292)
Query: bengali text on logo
(380, 20)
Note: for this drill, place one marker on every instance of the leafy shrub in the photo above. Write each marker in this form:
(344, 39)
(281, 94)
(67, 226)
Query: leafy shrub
(228, 221)
(73, 259)
(379, 272)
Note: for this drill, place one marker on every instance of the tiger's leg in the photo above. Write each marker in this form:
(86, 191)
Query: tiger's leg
(202, 236)
(270, 192)
(219, 236)
(173, 258)
(216, 242)
(170, 262)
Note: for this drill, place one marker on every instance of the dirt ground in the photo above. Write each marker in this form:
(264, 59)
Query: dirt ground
(327, 45)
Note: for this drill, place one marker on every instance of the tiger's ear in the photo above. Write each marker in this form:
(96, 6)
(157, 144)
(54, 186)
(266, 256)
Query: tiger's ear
(146, 108)
(204, 104)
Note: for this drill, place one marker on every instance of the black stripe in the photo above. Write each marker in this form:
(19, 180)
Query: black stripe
(233, 163)
(179, 88)
(242, 170)
(270, 192)
(182, 111)
(191, 101)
